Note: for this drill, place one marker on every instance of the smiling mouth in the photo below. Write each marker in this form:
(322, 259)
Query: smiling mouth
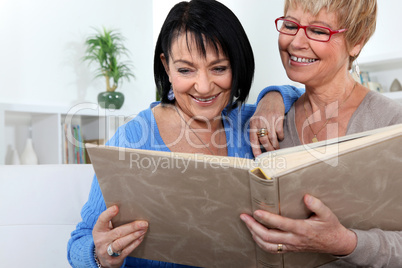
(302, 60)
(206, 99)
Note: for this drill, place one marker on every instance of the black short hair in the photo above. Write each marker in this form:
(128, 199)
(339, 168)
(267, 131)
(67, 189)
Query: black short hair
(220, 27)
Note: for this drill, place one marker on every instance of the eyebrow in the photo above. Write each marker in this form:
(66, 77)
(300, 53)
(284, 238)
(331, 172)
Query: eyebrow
(311, 23)
(190, 63)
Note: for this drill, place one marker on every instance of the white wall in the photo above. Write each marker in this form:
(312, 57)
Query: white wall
(42, 46)
(386, 40)
(42, 43)
(382, 56)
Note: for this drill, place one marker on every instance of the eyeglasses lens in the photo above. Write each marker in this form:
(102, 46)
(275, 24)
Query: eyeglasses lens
(312, 32)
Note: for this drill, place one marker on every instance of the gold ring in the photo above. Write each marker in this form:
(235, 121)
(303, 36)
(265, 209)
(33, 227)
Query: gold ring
(280, 248)
(262, 132)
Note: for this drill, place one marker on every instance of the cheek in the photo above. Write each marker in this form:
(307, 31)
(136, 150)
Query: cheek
(283, 42)
(225, 82)
(180, 85)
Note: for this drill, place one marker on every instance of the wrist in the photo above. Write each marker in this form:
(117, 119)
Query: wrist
(97, 261)
(350, 243)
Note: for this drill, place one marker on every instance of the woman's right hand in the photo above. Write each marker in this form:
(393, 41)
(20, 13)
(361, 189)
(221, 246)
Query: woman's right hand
(268, 115)
(123, 239)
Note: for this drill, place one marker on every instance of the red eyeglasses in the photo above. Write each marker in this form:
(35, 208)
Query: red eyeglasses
(313, 32)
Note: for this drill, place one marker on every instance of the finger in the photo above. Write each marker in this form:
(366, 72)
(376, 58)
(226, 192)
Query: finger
(254, 142)
(320, 210)
(121, 244)
(256, 150)
(273, 140)
(103, 222)
(128, 229)
(255, 227)
(267, 239)
(266, 143)
(279, 128)
(275, 221)
(277, 248)
(130, 248)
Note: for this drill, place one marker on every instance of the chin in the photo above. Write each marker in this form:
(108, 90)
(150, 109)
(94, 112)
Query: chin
(297, 77)
(207, 116)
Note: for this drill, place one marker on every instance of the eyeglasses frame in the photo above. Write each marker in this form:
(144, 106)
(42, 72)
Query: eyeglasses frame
(331, 32)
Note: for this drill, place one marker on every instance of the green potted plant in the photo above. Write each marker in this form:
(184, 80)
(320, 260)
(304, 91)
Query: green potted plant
(105, 49)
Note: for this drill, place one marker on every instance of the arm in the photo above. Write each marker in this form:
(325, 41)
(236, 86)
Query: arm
(80, 248)
(322, 232)
(273, 102)
(376, 248)
(95, 232)
(289, 94)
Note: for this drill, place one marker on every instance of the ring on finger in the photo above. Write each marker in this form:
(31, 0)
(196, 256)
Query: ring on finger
(279, 248)
(262, 132)
(111, 253)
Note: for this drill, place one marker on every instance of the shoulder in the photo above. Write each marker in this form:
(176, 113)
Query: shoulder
(134, 133)
(382, 108)
(240, 116)
(285, 90)
(376, 111)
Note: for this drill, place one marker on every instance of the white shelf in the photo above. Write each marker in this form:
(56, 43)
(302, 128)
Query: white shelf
(383, 68)
(381, 62)
(397, 96)
(45, 121)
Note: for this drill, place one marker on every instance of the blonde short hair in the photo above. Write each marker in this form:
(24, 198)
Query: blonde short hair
(358, 16)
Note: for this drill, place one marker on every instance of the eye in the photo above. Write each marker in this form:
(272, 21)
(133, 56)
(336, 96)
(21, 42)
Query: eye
(184, 70)
(290, 26)
(220, 69)
(318, 31)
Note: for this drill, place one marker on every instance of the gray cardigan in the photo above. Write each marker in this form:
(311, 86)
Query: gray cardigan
(375, 248)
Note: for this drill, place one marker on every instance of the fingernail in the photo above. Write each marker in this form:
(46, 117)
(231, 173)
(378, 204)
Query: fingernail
(243, 218)
(142, 232)
(143, 224)
(308, 199)
(114, 208)
(257, 214)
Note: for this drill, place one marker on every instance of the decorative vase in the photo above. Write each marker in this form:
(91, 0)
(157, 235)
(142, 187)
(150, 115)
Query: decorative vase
(110, 100)
(15, 159)
(28, 156)
(395, 86)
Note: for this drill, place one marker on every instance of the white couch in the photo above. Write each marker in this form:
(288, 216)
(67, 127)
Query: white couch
(39, 208)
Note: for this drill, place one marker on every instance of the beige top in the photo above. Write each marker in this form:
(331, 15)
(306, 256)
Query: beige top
(375, 111)
(375, 248)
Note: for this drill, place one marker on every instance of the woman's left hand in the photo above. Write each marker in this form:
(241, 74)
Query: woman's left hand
(269, 115)
(322, 232)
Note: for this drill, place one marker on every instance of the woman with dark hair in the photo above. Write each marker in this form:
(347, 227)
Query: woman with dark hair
(229, 37)
(204, 68)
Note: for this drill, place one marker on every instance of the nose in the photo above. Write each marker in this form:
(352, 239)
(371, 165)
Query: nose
(203, 83)
(300, 40)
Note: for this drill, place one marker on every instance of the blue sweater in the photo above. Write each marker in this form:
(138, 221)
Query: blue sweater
(142, 133)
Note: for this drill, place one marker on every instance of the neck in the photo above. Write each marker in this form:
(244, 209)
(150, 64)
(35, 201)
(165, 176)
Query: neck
(323, 97)
(210, 133)
(212, 125)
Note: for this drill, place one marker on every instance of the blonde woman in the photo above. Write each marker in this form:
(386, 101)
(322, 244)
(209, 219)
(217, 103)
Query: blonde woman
(318, 42)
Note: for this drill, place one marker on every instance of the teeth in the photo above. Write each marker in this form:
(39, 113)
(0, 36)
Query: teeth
(209, 99)
(294, 58)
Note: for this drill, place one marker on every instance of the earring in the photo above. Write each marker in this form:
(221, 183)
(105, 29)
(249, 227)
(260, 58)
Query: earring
(356, 72)
(171, 94)
(357, 69)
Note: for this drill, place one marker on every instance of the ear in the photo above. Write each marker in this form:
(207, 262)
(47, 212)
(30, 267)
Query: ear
(165, 64)
(356, 49)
